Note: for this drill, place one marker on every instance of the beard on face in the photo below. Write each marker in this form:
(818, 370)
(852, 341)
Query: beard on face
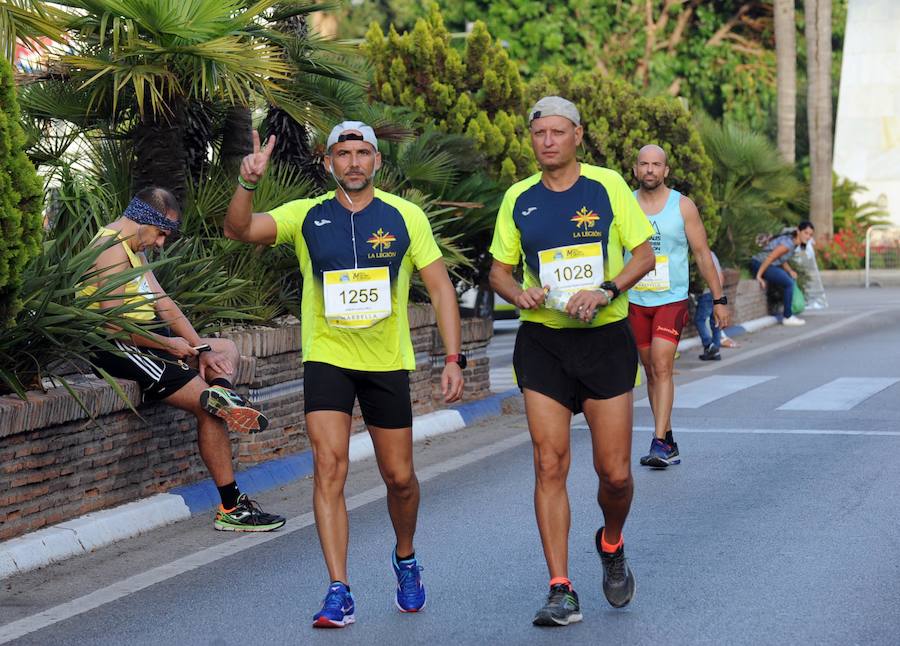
(356, 184)
(650, 183)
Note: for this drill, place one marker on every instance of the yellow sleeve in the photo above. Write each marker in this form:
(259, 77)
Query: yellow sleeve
(289, 218)
(423, 249)
(507, 243)
(633, 226)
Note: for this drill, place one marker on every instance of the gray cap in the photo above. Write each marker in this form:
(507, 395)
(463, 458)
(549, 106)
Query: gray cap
(368, 135)
(551, 106)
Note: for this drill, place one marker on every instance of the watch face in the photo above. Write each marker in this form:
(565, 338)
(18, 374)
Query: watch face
(463, 362)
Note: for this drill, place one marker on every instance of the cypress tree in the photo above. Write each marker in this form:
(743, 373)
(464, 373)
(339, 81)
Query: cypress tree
(20, 200)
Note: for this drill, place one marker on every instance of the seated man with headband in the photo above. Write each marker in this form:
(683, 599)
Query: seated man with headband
(173, 363)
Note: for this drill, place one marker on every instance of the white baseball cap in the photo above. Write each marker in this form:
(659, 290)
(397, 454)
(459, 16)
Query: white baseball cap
(337, 133)
(554, 106)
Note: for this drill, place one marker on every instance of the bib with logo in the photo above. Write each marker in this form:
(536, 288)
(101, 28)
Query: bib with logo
(657, 279)
(570, 269)
(357, 298)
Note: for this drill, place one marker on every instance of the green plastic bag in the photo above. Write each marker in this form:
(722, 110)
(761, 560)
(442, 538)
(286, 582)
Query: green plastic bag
(798, 302)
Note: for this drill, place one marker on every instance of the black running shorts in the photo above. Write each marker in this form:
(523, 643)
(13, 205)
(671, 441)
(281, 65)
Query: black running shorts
(383, 396)
(571, 365)
(158, 373)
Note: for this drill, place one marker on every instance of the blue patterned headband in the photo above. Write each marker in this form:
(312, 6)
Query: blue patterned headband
(142, 213)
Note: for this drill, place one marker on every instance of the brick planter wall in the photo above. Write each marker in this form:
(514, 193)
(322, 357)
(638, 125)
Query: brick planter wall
(745, 300)
(55, 464)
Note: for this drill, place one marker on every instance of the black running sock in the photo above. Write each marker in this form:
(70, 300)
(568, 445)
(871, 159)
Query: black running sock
(404, 558)
(670, 440)
(341, 582)
(221, 381)
(229, 494)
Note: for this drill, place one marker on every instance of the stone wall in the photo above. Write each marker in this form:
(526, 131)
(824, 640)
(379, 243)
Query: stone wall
(56, 464)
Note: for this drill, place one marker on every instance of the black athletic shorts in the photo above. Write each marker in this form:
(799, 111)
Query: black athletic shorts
(158, 373)
(571, 365)
(383, 396)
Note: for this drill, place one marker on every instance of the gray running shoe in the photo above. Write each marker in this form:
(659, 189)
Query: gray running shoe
(618, 579)
(561, 609)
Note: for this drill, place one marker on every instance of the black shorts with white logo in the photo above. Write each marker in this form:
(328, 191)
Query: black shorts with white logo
(383, 396)
(571, 365)
(158, 373)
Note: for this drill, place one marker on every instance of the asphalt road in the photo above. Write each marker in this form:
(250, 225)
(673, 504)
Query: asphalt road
(780, 526)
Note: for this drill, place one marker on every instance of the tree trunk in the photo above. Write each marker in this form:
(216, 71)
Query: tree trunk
(159, 152)
(786, 62)
(818, 43)
(237, 139)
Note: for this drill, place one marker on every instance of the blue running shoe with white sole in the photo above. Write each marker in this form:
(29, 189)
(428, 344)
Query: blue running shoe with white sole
(338, 609)
(410, 591)
(661, 454)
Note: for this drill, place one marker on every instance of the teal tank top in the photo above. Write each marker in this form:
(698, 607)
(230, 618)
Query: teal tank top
(668, 282)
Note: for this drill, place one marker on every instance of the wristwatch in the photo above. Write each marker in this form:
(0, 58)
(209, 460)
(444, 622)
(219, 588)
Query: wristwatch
(611, 286)
(722, 300)
(459, 359)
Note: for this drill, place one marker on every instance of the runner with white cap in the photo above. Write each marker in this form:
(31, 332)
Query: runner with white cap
(357, 248)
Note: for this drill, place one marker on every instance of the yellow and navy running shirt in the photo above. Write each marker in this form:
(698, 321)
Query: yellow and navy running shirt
(137, 290)
(599, 207)
(390, 232)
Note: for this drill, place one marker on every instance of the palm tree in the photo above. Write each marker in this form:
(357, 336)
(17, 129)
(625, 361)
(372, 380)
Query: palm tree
(755, 190)
(145, 65)
(786, 69)
(818, 44)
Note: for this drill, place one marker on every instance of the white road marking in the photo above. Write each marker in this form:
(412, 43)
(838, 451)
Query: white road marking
(703, 391)
(841, 394)
(770, 431)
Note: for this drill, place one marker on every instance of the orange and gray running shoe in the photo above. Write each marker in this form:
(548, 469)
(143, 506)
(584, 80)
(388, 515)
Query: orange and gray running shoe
(236, 411)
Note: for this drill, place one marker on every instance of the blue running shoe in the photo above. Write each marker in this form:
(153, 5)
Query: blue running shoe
(410, 591)
(661, 454)
(338, 608)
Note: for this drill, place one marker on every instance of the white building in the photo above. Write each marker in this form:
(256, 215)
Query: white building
(867, 136)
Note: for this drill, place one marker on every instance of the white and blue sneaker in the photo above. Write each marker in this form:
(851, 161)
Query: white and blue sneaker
(338, 608)
(662, 454)
(410, 591)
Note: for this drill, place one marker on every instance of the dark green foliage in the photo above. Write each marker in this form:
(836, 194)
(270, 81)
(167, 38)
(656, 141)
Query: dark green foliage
(618, 121)
(476, 92)
(20, 201)
(756, 191)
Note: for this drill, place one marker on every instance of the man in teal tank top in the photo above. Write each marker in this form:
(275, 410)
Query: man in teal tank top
(658, 303)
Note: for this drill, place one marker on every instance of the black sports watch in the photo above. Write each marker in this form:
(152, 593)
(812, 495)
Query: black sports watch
(459, 358)
(611, 286)
(722, 300)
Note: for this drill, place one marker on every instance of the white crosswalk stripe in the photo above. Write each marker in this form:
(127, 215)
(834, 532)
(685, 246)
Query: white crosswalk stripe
(502, 379)
(841, 394)
(703, 391)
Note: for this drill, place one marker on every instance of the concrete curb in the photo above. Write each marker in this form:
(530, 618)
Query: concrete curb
(97, 529)
(733, 331)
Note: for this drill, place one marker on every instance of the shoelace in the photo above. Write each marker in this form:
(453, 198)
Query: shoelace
(616, 568)
(557, 594)
(334, 600)
(409, 579)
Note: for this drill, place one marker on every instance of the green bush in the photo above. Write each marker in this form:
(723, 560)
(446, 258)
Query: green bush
(618, 121)
(476, 92)
(20, 201)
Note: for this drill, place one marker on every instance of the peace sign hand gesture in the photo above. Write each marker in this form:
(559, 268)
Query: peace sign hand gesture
(253, 166)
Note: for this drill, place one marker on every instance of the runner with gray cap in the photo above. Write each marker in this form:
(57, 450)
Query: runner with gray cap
(357, 248)
(568, 226)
